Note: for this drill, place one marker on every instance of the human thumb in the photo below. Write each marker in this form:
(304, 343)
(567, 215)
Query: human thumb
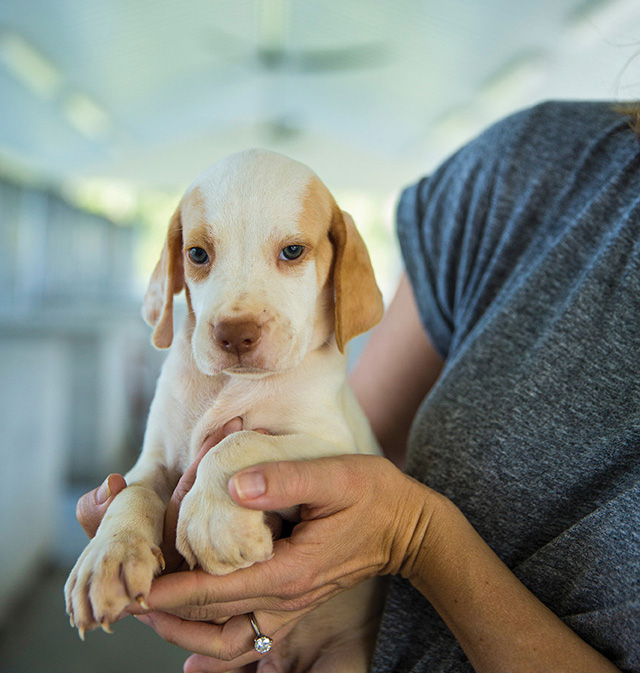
(280, 485)
(92, 506)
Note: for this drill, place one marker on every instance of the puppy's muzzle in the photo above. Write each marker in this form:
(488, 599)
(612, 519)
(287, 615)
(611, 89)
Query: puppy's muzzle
(237, 336)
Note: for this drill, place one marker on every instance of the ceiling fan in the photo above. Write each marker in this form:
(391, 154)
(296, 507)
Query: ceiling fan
(272, 51)
(273, 55)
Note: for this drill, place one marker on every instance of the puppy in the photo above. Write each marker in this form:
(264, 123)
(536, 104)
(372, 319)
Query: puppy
(277, 281)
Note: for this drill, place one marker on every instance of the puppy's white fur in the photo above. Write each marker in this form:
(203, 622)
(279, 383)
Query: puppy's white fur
(292, 381)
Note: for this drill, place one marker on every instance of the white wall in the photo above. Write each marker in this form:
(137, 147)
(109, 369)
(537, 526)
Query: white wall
(34, 379)
(74, 395)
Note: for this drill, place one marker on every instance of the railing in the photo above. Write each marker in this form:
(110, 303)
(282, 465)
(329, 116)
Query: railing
(52, 252)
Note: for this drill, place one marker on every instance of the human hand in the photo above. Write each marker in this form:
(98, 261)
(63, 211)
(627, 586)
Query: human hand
(360, 517)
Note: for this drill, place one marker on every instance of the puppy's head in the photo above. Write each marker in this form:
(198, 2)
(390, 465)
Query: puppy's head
(271, 266)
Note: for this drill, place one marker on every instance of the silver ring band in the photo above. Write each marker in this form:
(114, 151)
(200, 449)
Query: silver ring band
(261, 643)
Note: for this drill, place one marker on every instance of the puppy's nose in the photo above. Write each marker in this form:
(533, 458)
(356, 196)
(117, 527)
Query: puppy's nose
(237, 336)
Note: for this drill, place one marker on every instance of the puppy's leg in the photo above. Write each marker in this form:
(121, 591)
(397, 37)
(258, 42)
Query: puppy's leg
(118, 565)
(213, 531)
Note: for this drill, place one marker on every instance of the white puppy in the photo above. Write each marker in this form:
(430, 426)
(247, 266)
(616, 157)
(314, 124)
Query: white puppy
(277, 281)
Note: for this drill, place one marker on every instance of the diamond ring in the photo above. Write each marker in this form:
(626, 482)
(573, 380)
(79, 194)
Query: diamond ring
(261, 644)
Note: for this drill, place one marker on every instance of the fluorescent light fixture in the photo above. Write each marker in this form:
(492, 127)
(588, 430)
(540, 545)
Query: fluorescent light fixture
(29, 66)
(273, 24)
(85, 115)
(40, 76)
(115, 199)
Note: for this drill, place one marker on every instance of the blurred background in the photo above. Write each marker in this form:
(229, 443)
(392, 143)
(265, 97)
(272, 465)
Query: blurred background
(108, 110)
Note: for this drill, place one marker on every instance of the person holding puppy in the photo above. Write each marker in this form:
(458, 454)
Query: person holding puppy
(508, 367)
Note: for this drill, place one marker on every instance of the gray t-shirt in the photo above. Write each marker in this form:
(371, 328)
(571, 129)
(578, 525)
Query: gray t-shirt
(524, 253)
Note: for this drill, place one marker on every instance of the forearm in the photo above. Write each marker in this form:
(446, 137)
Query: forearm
(498, 622)
(395, 372)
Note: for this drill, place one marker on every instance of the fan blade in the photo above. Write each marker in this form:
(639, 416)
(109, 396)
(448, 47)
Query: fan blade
(333, 60)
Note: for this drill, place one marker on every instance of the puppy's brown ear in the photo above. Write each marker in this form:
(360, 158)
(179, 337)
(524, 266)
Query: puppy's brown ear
(167, 279)
(358, 302)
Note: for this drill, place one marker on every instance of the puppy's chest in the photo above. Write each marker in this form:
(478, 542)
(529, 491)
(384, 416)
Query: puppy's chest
(276, 409)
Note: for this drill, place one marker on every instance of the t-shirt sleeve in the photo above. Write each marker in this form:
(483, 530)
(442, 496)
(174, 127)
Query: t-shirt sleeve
(470, 228)
(442, 228)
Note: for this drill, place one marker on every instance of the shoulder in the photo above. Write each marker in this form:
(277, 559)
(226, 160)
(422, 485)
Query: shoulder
(554, 124)
(540, 147)
(550, 131)
(559, 137)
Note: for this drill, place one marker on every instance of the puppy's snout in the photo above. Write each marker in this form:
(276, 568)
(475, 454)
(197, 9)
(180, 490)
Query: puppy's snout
(237, 336)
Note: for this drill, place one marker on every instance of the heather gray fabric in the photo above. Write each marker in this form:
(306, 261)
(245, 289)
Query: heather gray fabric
(524, 253)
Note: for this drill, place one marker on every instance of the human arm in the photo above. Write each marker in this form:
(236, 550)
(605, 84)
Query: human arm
(390, 393)
(498, 622)
(505, 611)
(404, 528)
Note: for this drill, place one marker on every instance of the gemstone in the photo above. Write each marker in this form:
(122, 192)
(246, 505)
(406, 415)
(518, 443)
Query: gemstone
(262, 644)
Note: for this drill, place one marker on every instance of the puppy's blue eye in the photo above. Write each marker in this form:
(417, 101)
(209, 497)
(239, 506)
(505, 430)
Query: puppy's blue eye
(291, 252)
(198, 255)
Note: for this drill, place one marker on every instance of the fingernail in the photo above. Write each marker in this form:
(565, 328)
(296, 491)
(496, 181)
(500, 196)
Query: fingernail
(249, 485)
(145, 619)
(104, 492)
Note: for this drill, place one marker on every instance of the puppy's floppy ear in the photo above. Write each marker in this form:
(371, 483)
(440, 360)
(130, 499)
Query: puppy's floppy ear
(167, 279)
(358, 302)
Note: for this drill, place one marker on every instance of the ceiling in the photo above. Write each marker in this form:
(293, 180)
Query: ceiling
(370, 93)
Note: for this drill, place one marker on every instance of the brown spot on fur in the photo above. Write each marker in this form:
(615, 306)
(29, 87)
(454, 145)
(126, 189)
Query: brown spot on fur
(193, 208)
(314, 220)
(196, 233)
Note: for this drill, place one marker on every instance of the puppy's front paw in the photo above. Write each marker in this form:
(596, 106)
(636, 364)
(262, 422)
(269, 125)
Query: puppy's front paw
(220, 536)
(113, 571)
